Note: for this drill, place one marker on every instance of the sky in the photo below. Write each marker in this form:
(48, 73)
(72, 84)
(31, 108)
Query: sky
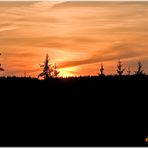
(78, 36)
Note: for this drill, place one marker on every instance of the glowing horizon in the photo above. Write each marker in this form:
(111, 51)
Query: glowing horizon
(78, 36)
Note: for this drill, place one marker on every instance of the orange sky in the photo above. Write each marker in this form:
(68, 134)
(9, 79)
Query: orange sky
(78, 36)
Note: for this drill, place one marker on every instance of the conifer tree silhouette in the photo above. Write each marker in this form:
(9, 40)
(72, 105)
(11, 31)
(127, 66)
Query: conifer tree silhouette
(47, 69)
(120, 68)
(139, 71)
(101, 70)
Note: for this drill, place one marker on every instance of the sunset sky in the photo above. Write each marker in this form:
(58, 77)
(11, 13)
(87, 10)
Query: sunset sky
(78, 36)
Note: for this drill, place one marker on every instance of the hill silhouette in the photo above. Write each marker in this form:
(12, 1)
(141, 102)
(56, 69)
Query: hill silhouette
(75, 111)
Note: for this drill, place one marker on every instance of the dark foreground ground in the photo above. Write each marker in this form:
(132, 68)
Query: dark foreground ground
(84, 111)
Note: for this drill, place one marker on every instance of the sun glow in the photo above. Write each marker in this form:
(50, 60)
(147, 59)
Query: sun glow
(66, 72)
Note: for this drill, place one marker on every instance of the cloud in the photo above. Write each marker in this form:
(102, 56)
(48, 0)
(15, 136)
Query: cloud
(8, 28)
(122, 51)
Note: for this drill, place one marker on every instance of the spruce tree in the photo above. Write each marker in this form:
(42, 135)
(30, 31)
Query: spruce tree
(47, 70)
(101, 70)
(139, 71)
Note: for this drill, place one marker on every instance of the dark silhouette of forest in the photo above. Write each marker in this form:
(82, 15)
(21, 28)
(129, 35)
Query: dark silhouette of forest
(50, 71)
(102, 110)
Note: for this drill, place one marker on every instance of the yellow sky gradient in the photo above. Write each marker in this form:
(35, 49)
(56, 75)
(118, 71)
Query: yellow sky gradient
(78, 36)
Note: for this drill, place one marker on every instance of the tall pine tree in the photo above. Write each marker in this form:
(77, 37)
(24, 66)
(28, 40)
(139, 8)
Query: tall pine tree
(47, 69)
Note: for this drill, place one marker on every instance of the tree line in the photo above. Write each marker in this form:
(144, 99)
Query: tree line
(50, 71)
(120, 69)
